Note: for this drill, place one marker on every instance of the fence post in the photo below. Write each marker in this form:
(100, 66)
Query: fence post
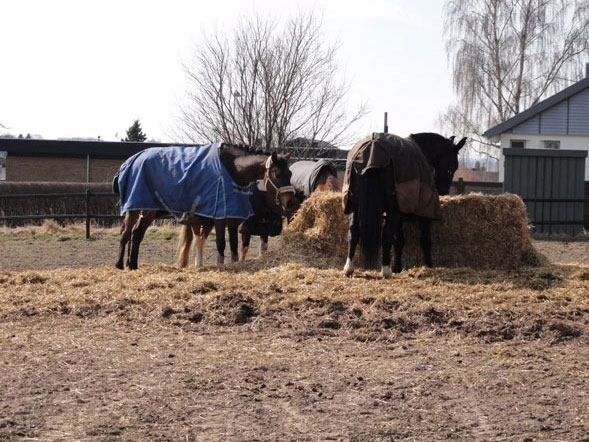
(87, 214)
(460, 187)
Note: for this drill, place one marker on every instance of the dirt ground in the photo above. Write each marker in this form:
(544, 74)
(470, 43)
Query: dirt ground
(94, 354)
(42, 252)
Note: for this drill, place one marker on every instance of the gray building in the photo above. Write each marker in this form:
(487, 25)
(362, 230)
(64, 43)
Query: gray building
(559, 122)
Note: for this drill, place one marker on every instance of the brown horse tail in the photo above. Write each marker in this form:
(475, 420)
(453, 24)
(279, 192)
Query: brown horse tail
(184, 243)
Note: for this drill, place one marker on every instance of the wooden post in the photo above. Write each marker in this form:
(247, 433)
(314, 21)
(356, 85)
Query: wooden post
(87, 214)
(460, 187)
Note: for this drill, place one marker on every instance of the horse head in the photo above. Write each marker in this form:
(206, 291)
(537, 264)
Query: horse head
(280, 194)
(442, 154)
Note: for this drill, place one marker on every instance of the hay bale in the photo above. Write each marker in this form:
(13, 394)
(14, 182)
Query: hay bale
(318, 231)
(476, 230)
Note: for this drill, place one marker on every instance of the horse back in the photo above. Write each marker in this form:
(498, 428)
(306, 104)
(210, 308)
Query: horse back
(411, 175)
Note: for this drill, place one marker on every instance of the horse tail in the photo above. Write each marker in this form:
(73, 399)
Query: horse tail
(184, 243)
(115, 184)
(370, 206)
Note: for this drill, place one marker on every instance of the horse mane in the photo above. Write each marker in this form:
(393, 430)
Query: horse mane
(428, 137)
(238, 158)
(244, 149)
(432, 144)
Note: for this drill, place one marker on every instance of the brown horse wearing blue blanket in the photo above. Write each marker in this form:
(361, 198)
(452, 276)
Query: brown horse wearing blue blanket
(279, 198)
(234, 169)
(395, 177)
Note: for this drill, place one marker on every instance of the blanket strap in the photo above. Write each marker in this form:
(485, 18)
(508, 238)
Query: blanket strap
(178, 219)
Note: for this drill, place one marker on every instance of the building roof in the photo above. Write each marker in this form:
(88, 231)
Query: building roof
(537, 108)
(105, 149)
(60, 148)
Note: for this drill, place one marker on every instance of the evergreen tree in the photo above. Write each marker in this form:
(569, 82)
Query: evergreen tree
(135, 133)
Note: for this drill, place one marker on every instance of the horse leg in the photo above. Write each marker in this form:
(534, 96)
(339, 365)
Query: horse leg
(392, 228)
(388, 233)
(353, 237)
(245, 245)
(232, 226)
(264, 241)
(198, 247)
(220, 240)
(245, 241)
(144, 221)
(128, 222)
(184, 243)
(426, 240)
(399, 241)
(202, 233)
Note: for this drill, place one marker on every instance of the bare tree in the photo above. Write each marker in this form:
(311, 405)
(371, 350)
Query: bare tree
(267, 84)
(507, 55)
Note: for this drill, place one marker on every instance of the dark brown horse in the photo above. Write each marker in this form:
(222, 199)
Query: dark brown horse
(307, 177)
(280, 197)
(243, 165)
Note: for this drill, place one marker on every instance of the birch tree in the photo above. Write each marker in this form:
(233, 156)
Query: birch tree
(265, 83)
(507, 55)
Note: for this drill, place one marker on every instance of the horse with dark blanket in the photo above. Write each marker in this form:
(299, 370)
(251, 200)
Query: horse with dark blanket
(394, 176)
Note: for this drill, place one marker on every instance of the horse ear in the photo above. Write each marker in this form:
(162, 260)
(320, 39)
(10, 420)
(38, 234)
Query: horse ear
(274, 157)
(460, 144)
(452, 139)
(287, 156)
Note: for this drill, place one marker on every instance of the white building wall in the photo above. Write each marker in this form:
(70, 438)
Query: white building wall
(537, 142)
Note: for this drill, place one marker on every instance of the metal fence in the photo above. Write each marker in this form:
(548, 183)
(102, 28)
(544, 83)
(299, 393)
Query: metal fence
(87, 215)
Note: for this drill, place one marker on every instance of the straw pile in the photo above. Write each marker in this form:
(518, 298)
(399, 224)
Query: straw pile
(478, 231)
(318, 232)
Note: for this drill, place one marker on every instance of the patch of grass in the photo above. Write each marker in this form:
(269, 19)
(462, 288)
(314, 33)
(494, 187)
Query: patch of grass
(51, 231)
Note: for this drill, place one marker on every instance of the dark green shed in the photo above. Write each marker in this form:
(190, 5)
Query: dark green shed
(552, 184)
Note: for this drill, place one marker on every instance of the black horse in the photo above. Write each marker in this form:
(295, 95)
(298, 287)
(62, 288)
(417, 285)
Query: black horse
(394, 176)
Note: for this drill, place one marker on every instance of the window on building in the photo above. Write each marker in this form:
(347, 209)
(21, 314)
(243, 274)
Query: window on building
(518, 144)
(551, 144)
(3, 156)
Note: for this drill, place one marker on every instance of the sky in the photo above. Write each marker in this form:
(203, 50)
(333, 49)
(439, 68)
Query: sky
(90, 68)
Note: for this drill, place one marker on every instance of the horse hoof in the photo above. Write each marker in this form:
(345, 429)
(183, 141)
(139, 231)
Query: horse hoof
(220, 260)
(386, 272)
(119, 266)
(349, 268)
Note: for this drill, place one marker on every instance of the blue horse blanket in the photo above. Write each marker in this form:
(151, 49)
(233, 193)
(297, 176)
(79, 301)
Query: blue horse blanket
(181, 180)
